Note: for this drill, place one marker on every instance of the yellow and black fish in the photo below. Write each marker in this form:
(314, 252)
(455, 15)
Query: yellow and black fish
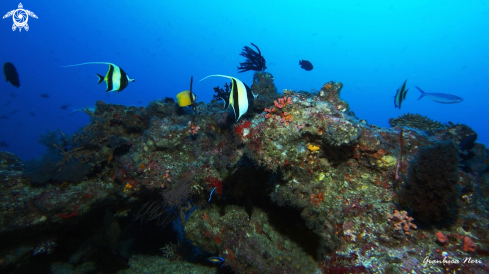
(186, 98)
(116, 78)
(11, 74)
(241, 96)
(401, 94)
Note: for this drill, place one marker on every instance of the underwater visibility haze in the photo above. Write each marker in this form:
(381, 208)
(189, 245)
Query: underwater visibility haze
(338, 135)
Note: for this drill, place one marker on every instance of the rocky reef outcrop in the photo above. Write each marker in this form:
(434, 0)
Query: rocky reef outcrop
(300, 185)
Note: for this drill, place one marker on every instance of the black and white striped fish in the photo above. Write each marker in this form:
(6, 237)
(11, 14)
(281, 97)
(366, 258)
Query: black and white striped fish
(401, 94)
(116, 78)
(241, 96)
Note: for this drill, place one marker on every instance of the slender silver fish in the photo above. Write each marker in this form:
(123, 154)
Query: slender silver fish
(441, 97)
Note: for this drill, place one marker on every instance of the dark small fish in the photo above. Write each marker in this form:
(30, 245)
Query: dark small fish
(4, 117)
(64, 106)
(12, 95)
(212, 192)
(216, 260)
(44, 95)
(32, 114)
(13, 112)
(468, 142)
(11, 74)
(441, 97)
(306, 65)
(3, 144)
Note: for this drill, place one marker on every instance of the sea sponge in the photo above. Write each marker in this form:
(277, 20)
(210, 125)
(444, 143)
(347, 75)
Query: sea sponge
(431, 189)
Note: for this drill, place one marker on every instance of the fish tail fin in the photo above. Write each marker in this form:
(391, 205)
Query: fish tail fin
(100, 78)
(422, 93)
(73, 110)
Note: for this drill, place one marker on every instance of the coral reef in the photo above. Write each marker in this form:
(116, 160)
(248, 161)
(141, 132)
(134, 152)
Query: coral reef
(301, 186)
(416, 121)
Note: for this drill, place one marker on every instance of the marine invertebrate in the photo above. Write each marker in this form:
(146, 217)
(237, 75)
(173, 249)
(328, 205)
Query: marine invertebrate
(279, 109)
(401, 222)
(312, 148)
(430, 191)
(192, 128)
(416, 121)
(222, 94)
(281, 102)
(47, 247)
(469, 245)
(441, 237)
(169, 251)
(254, 60)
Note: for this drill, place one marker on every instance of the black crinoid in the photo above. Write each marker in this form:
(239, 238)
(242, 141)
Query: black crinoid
(254, 60)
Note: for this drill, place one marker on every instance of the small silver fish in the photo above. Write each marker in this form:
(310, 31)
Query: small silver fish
(441, 97)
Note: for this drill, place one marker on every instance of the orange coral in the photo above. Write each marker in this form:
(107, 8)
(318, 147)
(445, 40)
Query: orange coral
(441, 238)
(401, 221)
(469, 245)
(316, 198)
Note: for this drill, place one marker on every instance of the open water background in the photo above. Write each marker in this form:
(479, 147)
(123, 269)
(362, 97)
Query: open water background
(369, 46)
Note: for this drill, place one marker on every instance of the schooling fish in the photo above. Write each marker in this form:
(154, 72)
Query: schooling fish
(44, 95)
(186, 98)
(116, 78)
(306, 65)
(11, 74)
(440, 97)
(240, 97)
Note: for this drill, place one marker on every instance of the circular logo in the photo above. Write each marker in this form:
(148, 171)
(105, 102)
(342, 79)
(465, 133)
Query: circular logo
(20, 18)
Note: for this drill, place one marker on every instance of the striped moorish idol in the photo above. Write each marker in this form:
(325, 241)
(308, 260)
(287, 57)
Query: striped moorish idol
(240, 97)
(116, 78)
(401, 94)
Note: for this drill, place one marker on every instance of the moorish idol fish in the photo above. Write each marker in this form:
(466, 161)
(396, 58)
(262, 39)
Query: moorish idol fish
(240, 95)
(401, 94)
(440, 97)
(186, 98)
(116, 78)
(11, 74)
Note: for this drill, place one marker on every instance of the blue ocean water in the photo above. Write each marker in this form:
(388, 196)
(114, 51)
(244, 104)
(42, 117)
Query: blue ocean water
(371, 47)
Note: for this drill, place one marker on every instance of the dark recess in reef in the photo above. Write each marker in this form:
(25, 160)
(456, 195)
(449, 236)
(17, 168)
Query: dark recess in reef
(431, 191)
(251, 187)
(254, 60)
